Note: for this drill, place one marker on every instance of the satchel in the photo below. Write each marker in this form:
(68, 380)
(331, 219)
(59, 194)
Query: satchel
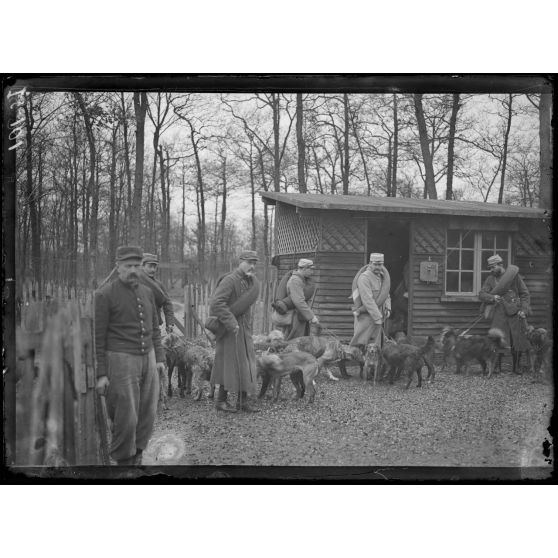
(282, 320)
(214, 325)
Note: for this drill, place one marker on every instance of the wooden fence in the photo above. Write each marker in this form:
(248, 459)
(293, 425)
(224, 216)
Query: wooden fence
(56, 402)
(196, 304)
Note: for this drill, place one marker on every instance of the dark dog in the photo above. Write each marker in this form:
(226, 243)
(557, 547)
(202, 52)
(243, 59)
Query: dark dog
(484, 349)
(300, 366)
(404, 357)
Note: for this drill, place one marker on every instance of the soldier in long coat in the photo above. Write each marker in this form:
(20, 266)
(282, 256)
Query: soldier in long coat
(234, 368)
(372, 302)
(506, 301)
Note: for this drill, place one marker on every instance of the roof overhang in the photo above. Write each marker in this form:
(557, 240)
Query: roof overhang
(378, 205)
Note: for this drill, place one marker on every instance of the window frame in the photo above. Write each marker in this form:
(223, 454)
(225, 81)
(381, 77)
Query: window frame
(477, 262)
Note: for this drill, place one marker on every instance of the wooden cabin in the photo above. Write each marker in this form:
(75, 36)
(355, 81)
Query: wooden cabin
(435, 251)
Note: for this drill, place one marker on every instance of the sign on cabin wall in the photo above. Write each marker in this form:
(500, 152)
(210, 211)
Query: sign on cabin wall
(428, 272)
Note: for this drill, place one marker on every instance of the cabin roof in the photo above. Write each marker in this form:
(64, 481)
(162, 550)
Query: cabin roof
(371, 204)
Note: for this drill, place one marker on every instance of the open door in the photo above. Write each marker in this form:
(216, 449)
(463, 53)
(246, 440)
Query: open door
(391, 238)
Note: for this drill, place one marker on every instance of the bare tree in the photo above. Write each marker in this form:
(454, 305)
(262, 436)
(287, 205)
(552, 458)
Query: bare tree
(140, 109)
(429, 184)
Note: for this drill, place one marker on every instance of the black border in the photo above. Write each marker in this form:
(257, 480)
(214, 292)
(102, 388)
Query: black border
(239, 83)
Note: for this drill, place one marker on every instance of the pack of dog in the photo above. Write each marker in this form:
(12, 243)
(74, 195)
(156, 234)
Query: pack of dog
(404, 357)
(486, 349)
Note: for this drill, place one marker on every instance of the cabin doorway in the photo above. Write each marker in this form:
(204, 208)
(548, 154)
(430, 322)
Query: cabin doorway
(391, 238)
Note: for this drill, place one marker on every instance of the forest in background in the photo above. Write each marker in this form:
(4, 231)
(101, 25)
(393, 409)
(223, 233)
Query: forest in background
(100, 169)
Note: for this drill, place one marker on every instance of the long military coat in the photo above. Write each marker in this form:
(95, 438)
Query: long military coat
(516, 298)
(235, 359)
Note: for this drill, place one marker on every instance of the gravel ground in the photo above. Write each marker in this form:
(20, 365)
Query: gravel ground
(456, 421)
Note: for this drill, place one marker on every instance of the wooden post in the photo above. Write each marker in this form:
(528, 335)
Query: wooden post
(187, 328)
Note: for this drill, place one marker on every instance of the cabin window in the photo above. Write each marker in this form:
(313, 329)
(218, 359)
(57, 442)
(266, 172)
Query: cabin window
(466, 255)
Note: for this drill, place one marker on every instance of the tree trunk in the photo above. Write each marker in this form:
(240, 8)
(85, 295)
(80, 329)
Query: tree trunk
(140, 108)
(505, 153)
(201, 202)
(223, 206)
(127, 167)
(91, 189)
(389, 174)
(545, 160)
(112, 194)
(429, 184)
(362, 155)
(395, 148)
(346, 145)
(301, 145)
(253, 198)
(32, 194)
(276, 147)
(451, 145)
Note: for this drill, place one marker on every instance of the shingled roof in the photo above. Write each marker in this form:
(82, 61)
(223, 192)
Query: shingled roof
(370, 204)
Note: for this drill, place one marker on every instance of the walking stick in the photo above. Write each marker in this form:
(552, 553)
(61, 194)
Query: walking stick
(102, 423)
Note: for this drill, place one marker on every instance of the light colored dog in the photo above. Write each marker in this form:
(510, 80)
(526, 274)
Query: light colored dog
(300, 366)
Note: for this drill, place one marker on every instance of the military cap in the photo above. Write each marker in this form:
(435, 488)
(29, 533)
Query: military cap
(128, 253)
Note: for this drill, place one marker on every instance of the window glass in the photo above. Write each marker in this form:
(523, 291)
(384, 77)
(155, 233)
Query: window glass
(453, 260)
(468, 239)
(453, 239)
(484, 275)
(468, 259)
(467, 282)
(488, 240)
(452, 282)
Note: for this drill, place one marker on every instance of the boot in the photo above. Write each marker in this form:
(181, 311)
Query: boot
(138, 457)
(128, 462)
(245, 406)
(222, 404)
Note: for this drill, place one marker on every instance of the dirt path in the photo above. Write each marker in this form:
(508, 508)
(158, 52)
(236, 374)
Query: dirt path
(456, 421)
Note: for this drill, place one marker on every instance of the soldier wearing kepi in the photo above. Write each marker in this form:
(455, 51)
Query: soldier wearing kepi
(234, 368)
(506, 302)
(300, 290)
(129, 356)
(150, 264)
(372, 304)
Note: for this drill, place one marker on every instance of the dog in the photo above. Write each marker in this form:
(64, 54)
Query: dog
(327, 350)
(193, 360)
(540, 353)
(410, 358)
(371, 362)
(300, 366)
(483, 348)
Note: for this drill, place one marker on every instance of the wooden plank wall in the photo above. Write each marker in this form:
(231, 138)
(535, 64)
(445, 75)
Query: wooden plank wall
(429, 314)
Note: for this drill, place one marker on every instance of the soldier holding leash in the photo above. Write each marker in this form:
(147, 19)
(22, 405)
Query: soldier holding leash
(372, 304)
(506, 302)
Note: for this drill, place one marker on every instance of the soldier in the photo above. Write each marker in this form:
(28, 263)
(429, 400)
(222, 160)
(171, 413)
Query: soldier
(234, 368)
(130, 356)
(372, 302)
(506, 302)
(150, 264)
(299, 292)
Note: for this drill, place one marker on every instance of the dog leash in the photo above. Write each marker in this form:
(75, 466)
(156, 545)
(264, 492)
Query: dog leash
(470, 327)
